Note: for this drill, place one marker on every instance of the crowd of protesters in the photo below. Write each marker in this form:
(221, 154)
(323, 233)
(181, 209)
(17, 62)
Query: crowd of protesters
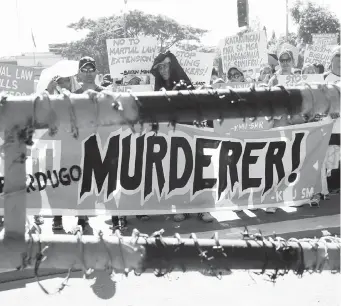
(286, 66)
(170, 75)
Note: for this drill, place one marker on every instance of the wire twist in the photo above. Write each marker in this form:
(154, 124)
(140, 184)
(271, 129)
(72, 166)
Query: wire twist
(40, 257)
(72, 114)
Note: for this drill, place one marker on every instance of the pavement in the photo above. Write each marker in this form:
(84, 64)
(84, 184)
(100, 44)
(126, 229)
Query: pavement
(298, 222)
(305, 221)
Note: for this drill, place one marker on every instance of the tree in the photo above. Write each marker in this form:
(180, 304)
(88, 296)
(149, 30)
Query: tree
(312, 18)
(274, 43)
(135, 23)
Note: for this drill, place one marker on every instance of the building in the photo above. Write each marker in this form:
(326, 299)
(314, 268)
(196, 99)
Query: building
(57, 48)
(39, 61)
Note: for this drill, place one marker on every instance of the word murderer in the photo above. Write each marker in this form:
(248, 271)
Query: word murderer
(153, 164)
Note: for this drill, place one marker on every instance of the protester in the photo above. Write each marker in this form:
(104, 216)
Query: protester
(107, 80)
(333, 75)
(87, 75)
(286, 62)
(265, 74)
(56, 86)
(235, 75)
(309, 69)
(214, 75)
(319, 68)
(170, 75)
(273, 61)
(168, 72)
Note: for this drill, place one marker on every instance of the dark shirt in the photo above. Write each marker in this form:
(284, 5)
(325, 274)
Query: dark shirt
(97, 88)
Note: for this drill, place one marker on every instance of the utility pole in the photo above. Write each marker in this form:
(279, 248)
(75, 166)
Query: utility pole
(287, 19)
(124, 18)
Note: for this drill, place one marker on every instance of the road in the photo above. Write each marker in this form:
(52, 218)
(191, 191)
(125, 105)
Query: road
(297, 222)
(18, 288)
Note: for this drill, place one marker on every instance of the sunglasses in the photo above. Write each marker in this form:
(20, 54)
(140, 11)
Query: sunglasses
(236, 75)
(88, 70)
(287, 60)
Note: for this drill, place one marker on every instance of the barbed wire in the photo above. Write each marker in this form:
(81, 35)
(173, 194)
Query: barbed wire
(290, 258)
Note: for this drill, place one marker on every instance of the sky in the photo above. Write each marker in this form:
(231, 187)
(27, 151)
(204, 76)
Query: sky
(49, 19)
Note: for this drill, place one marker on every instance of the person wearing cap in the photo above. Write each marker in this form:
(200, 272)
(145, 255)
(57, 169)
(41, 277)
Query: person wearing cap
(87, 74)
(333, 75)
(107, 80)
(286, 62)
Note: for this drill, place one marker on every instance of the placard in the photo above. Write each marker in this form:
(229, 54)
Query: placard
(296, 79)
(16, 80)
(197, 65)
(246, 51)
(325, 38)
(131, 55)
(318, 54)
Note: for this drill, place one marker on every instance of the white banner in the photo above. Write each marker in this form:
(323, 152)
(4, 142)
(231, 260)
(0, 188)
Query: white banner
(318, 54)
(295, 79)
(325, 39)
(197, 65)
(131, 55)
(247, 51)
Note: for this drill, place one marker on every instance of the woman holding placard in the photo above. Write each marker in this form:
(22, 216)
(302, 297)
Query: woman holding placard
(287, 62)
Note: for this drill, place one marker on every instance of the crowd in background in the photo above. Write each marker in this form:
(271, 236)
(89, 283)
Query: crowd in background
(170, 75)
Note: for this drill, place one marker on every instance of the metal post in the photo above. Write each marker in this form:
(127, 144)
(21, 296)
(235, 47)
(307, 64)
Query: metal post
(108, 108)
(140, 253)
(14, 187)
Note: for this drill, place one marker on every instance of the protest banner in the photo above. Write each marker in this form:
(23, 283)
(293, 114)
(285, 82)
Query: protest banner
(16, 80)
(197, 65)
(238, 84)
(230, 126)
(325, 38)
(188, 169)
(247, 51)
(131, 55)
(296, 79)
(318, 54)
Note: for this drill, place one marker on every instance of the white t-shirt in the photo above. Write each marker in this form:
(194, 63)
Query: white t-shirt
(332, 78)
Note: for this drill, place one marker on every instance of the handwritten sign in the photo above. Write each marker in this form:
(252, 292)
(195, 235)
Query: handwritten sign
(16, 80)
(325, 39)
(295, 79)
(135, 88)
(320, 54)
(131, 55)
(197, 65)
(247, 51)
